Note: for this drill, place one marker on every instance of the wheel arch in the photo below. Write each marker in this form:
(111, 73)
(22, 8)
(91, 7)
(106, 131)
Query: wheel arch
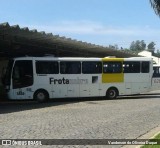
(41, 89)
(113, 87)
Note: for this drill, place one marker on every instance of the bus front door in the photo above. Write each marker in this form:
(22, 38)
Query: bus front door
(22, 79)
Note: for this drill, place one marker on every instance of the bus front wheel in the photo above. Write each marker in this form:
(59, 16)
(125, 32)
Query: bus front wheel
(41, 95)
(112, 93)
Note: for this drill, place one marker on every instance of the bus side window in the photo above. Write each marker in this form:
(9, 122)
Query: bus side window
(112, 67)
(131, 67)
(145, 67)
(47, 67)
(91, 67)
(73, 67)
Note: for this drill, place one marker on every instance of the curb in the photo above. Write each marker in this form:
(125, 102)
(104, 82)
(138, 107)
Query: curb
(148, 135)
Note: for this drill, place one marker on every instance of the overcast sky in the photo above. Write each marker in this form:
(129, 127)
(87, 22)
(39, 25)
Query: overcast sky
(100, 22)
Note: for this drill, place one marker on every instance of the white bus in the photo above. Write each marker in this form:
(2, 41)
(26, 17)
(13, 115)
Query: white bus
(42, 78)
(156, 78)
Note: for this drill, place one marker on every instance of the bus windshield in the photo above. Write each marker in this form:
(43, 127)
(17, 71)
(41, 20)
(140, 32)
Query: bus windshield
(22, 75)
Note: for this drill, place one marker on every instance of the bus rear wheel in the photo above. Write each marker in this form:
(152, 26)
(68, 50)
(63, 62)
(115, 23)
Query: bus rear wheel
(41, 95)
(112, 93)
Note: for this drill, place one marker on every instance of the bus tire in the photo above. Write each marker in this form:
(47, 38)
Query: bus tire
(112, 93)
(41, 95)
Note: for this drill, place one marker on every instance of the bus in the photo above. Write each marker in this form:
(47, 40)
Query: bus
(43, 78)
(156, 77)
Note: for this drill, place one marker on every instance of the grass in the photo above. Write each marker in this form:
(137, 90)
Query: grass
(153, 146)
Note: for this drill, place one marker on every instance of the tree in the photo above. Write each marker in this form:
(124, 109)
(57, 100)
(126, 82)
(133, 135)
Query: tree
(156, 6)
(115, 46)
(143, 45)
(158, 53)
(138, 45)
(151, 47)
(132, 46)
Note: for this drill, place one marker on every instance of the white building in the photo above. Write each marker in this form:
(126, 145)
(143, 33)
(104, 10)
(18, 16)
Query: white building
(149, 54)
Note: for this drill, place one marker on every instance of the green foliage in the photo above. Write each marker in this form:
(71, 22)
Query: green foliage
(138, 46)
(156, 6)
(157, 54)
(115, 46)
(152, 146)
(151, 47)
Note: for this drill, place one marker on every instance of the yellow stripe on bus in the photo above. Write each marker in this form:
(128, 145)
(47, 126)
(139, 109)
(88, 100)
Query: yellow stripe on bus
(112, 59)
(113, 77)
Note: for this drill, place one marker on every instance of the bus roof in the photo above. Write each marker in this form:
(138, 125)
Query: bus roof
(83, 58)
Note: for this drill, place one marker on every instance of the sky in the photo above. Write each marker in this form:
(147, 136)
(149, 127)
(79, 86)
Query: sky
(100, 22)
